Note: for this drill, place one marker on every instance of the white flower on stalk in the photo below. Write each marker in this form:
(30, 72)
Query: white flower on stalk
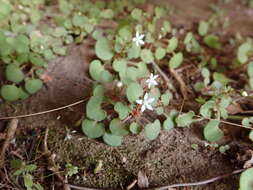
(145, 102)
(68, 136)
(138, 39)
(152, 80)
(119, 84)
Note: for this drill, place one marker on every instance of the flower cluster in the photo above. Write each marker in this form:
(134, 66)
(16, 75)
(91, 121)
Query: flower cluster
(151, 81)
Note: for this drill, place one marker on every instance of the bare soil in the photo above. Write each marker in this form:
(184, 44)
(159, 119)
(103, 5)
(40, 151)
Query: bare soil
(167, 160)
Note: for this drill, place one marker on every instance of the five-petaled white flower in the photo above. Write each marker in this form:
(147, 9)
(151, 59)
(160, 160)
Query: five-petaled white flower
(151, 81)
(145, 102)
(138, 39)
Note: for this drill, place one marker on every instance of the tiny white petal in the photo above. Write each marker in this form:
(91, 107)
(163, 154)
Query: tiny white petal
(141, 42)
(150, 100)
(143, 107)
(141, 36)
(146, 96)
(149, 107)
(206, 144)
(139, 101)
(155, 76)
(68, 137)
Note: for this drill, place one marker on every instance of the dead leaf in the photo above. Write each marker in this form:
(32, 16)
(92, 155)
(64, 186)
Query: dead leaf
(142, 180)
(46, 78)
(99, 167)
(131, 185)
(249, 163)
(234, 108)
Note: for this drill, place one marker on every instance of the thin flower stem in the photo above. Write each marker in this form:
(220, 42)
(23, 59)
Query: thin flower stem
(44, 112)
(226, 122)
(205, 182)
(198, 183)
(167, 80)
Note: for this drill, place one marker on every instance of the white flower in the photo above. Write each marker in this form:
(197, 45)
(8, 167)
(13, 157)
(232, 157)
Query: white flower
(145, 103)
(138, 39)
(119, 84)
(206, 144)
(68, 136)
(245, 94)
(151, 81)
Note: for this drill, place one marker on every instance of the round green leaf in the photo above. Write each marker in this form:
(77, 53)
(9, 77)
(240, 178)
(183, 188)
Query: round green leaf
(103, 49)
(221, 78)
(159, 110)
(14, 73)
(250, 69)
(160, 53)
(10, 92)
(251, 135)
(166, 97)
(176, 60)
(36, 60)
(95, 69)
(122, 110)
(136, 13)
(212, 131)
(28, 181)
(242, 53)
(246, 180)
(188, 38)
(22, 44)
(132, 73)
(206, 109)
(23, 94)
(125, 34)
(147, 56)
(60, 31)
(106, 76)
(79, 20)
(118, 128)
(173, 43)
(134, 91)
(135, 128)
(185, 119)
(107, 14)
(133, 52)
(166, 26)
(99, 91)
(212, 41)
(168, 123)
(93, 129)
(152, 130)
(203, 28)
(94, 110)
(112, 140)
(33, 85)
(119, 65)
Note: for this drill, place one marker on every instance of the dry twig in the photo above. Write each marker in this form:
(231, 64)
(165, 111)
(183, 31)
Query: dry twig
(51, 162)
(167, 80)
(198, 183)
(205, 182)
(44, 112)
(11, 129)
(183, 87)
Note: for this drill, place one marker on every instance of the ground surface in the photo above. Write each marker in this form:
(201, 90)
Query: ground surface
(168, 159)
